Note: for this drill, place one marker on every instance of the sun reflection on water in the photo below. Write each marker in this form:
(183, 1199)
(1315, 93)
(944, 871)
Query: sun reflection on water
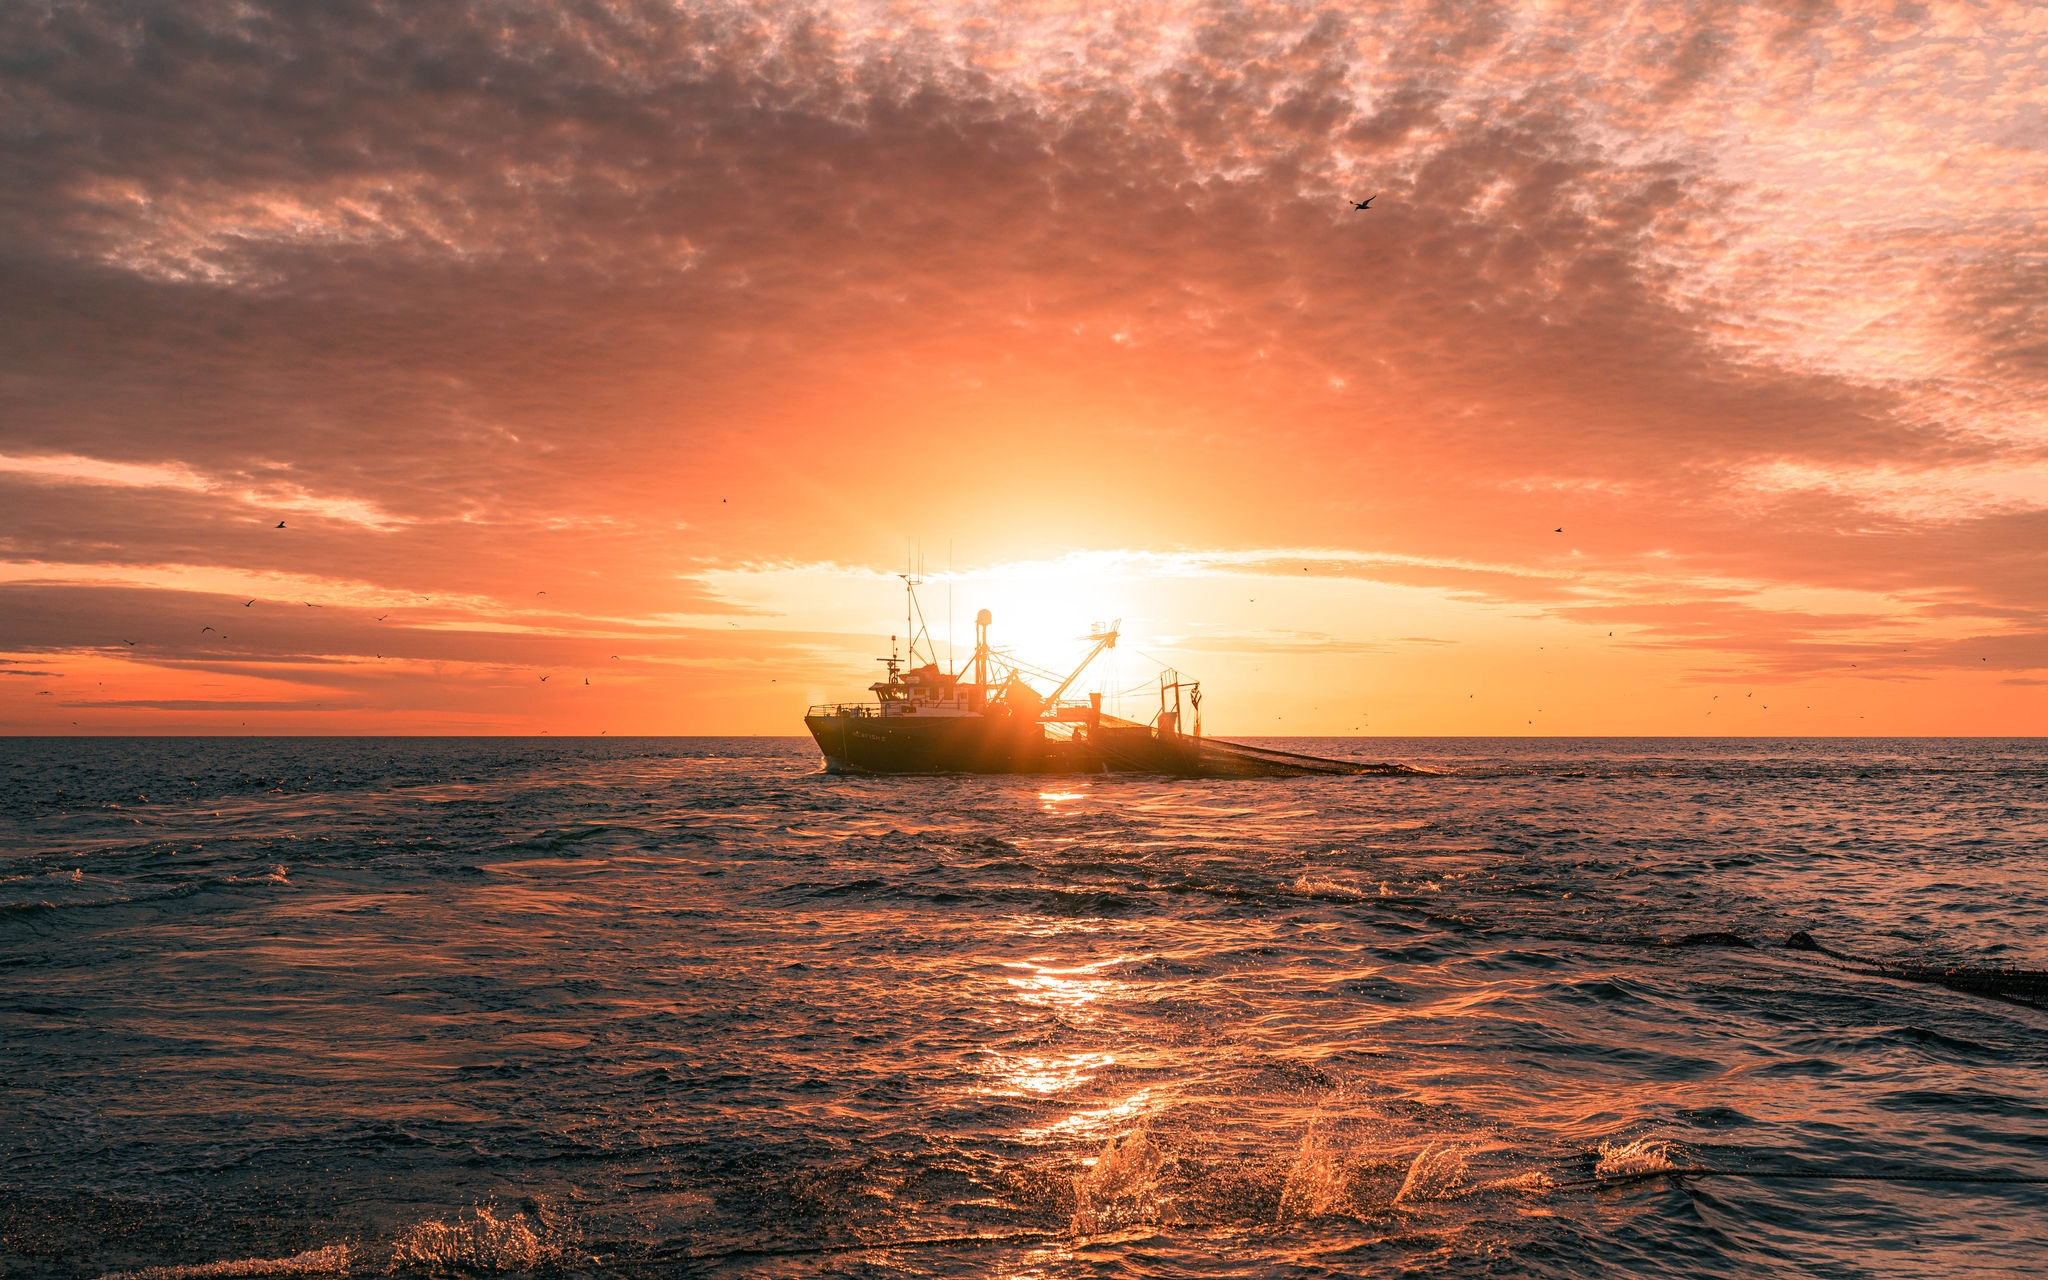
(1044, 986)
(1094, 1122)
(1050, 801)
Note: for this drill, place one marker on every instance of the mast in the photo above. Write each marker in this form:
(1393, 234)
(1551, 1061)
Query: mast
(981, 621)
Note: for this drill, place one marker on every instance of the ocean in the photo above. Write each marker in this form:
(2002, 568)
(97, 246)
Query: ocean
(693, 1007)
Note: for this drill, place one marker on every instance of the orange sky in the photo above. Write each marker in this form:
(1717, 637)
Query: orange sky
(629, 346)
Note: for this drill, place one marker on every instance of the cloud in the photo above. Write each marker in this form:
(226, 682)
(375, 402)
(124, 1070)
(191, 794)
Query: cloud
(1301, 643)
(484, 300)
(203, 704)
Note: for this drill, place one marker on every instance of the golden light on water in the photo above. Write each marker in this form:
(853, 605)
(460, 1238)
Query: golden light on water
(1045, 1073)
(1096, 1122)
(1075, 988)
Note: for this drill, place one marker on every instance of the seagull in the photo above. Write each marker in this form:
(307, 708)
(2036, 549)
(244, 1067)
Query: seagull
(248, 603)
(615, 657)
(204, 630)
(1560, 530)
(1363, 204)
(543, 679)
(129, 643)
(382, 616)
(540, 593)
(280, 524)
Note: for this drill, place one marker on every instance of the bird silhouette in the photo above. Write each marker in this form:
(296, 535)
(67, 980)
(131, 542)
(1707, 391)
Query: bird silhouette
(543, 679)
(204, 630)
(615, 657)
(246, 604)
(382, 616)
(43, 693)
(1365, 203)
(1560, 529)
(586, 679)
(129, 643)
(280, 524)
(540, 593)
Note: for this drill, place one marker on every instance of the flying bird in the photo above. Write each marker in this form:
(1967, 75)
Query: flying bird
(43, 693)
(540, 593)
(280, 524)
(1365, 203)
(204, 630)
(586, 679)
(543, 679)
(129, 643)
(382, 616)
(1560, 529)
(248, 603)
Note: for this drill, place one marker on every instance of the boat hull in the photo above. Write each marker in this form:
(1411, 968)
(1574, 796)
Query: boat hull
(1001, 744)
(949, 744)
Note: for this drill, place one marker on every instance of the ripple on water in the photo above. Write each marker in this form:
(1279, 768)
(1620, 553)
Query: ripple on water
(453, 1005)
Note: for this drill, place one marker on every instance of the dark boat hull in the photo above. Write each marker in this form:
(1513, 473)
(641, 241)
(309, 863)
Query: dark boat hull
(999, 744)
(949, 744)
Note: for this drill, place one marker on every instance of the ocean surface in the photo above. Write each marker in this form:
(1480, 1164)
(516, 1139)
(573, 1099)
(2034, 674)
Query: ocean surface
(693, 1007)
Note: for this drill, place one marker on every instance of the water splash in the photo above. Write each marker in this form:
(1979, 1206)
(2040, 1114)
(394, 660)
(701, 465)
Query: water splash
(1317, 1182)
(333, 1260)
(1633, 1159)
(1121, 1187)
(478, 1240)
(1437, 1174)
(1532, 1183)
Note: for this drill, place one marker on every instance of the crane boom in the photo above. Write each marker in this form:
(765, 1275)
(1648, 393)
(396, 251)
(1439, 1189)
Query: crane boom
(1107, 640)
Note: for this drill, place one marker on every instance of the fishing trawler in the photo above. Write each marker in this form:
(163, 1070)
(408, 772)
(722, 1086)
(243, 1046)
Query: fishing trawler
(988, 718)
